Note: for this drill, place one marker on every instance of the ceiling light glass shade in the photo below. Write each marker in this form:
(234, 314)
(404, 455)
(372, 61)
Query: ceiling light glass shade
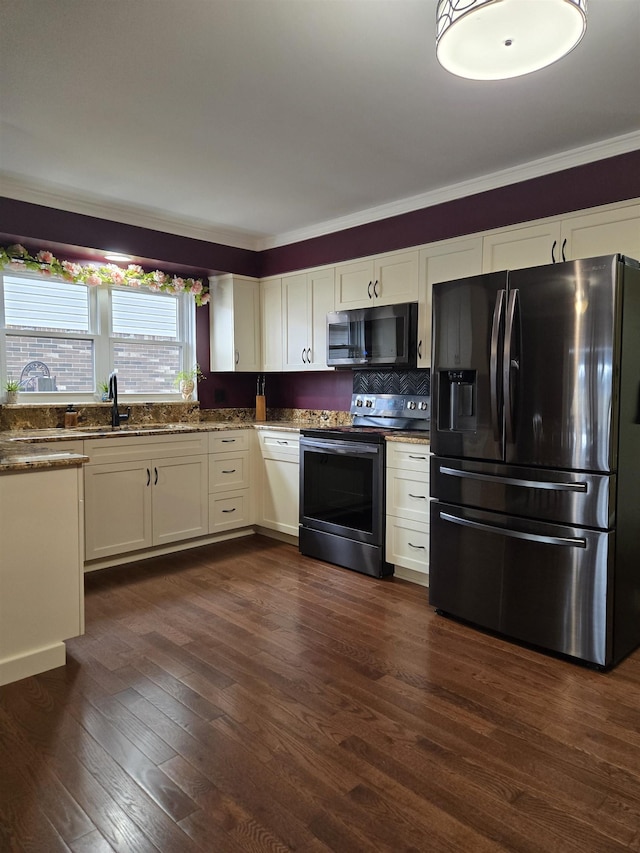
(498, 39)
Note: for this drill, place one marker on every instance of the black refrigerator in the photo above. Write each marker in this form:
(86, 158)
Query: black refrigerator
(535, 473)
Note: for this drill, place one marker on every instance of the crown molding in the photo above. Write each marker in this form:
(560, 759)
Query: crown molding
(534, 169)
(56, 196)
(52, 195)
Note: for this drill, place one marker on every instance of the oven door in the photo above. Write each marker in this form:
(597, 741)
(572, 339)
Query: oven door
(342, 488)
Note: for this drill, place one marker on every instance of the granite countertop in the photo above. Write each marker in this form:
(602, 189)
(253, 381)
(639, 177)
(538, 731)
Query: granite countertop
(410, 437)
(21, 458)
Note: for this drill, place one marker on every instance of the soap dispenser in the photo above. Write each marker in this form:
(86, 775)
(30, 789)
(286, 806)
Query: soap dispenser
(70, 417)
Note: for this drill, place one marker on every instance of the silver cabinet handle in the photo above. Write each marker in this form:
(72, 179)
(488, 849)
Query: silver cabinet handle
(230, 471)
(515, 534)
(418, 497)
(417, 547)
(515, 481)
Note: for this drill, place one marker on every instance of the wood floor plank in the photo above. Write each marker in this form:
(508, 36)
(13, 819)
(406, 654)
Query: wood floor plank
(239, 697)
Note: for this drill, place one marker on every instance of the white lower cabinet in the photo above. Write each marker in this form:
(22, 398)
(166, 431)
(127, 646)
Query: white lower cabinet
(144, 492)
(279, 466)
(230, 496)
(41, 588)
(407, 530)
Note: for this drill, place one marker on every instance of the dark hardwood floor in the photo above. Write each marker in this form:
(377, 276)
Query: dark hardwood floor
(240, 697)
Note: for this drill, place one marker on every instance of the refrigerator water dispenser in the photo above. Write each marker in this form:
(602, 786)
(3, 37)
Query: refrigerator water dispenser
(457, 403)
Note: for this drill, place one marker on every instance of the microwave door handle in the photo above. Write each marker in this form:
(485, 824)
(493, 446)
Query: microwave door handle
(498, 312)
(508, 365)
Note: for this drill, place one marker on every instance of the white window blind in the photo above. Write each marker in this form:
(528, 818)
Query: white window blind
(45, 304)
(138, 314)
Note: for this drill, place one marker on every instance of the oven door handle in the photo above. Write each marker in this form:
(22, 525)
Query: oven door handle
(347, 448)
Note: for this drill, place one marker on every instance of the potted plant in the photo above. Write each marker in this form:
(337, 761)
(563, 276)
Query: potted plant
(103, 388)
(186, 380)
(12, 386)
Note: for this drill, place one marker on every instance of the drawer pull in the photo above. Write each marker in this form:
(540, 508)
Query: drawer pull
(231, 471)
(417, 547)
(418, 497)
(227, 440)
(229, 510)
(423, 458)
(282, 442)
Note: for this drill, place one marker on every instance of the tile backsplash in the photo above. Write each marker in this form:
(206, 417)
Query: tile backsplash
(392, 382)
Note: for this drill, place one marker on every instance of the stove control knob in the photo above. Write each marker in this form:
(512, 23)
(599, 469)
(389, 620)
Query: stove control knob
(358, 401)
(369, 404)
(411, 404)
(422, 405)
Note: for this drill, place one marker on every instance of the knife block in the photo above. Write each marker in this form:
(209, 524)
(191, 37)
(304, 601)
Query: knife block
(261, 407)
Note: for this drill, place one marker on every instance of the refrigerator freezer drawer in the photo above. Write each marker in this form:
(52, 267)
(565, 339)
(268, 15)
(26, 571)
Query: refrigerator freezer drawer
(545, 584)
(568, 497)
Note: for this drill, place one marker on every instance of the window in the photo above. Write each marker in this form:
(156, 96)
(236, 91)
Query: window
(63, 338)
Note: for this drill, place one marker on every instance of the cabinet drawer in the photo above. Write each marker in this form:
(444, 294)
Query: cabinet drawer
(228, 471)
(124, 448)
(228, 440)
(279, 443)
(409, 456)
(228, 511)
(407, 495)
(408, 544)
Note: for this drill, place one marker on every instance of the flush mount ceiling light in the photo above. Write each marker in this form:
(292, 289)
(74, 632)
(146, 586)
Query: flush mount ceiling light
(498, 39)
(117, 256)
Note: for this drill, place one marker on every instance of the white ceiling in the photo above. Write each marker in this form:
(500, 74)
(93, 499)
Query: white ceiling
(259, 122)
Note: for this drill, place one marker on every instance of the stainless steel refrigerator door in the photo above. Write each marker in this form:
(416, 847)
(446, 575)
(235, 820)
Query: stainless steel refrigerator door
(565, 497)
(559, 365)
(544, 584)
(468, 327)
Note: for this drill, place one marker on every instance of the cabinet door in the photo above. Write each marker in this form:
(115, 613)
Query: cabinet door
(396, 278)
(180, 498)
(603, 233)
(519, 248)
(281, 495)
(117, 508)
(271, 323)
(246, 320)
(321, 300)
(354, 285)
(295, 321)
(444, 261)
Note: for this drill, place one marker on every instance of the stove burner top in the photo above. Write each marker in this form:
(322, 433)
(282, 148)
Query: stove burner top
(376, 416)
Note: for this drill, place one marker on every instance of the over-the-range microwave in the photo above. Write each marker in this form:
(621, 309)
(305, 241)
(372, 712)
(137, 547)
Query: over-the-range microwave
(382, 336)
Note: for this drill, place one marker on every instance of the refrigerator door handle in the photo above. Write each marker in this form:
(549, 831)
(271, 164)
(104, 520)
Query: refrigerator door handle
(515, 534)
(493, 364)
(515, 481)
(507, 364)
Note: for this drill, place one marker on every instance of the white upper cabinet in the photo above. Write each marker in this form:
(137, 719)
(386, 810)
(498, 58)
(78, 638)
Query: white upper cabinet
(443, 261)
(605, 232)
(234, 324)
(307, 298)
(271, 320)
(383, 280)
(518, 248)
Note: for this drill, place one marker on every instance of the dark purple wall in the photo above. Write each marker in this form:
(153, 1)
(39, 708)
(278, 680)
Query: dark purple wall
(603, 182)
(74, 235)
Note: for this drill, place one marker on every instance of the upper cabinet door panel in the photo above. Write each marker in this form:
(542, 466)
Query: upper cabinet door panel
(296, 321)
(396, 278)
(354, 285)
(603, 233)
(444, 261)
(321, 300)
(519, 248)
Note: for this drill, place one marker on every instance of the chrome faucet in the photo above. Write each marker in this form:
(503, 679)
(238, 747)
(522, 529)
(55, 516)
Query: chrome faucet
(116, 416)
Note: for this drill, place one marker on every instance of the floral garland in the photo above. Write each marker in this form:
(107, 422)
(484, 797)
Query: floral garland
(16, 257)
